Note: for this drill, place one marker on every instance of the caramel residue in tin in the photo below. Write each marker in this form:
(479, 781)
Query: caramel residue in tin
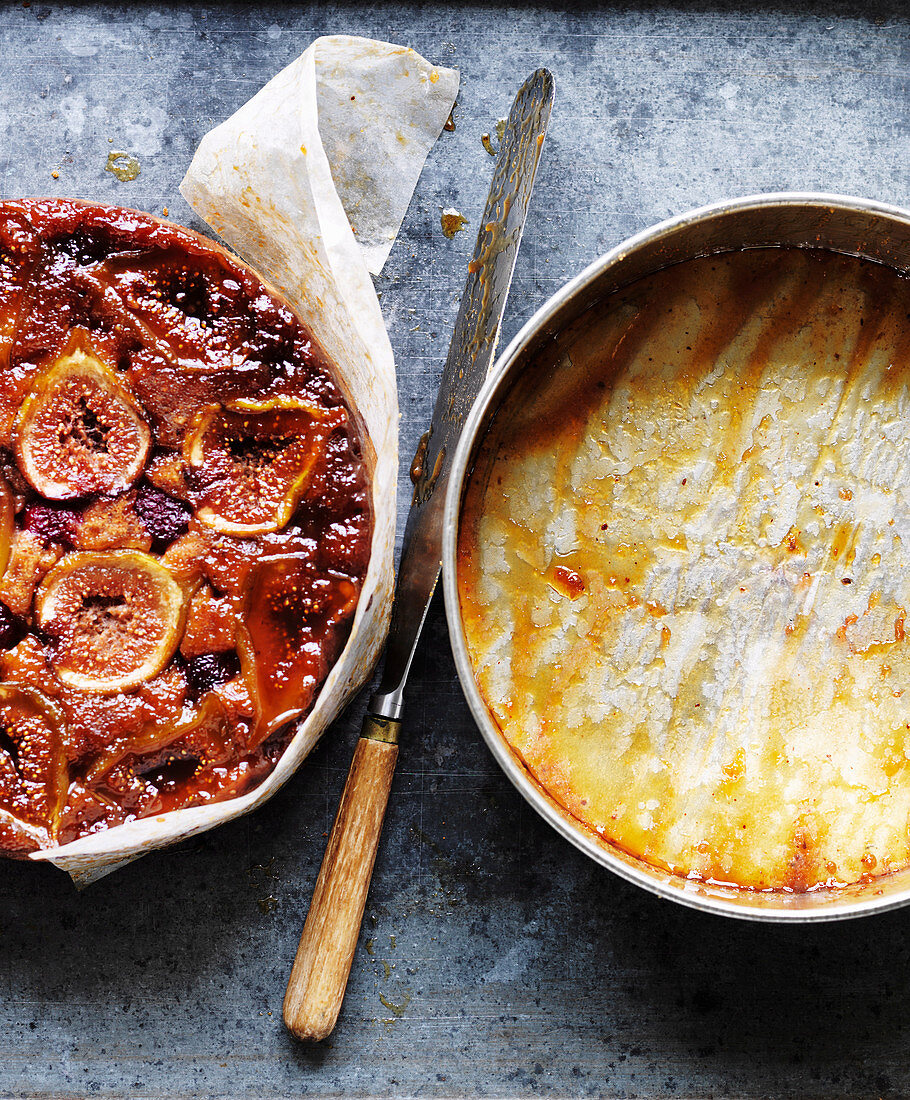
(793, 542)
(452, 222)
(568, 582)
(123, 165)
(625, 420)
(736, 769)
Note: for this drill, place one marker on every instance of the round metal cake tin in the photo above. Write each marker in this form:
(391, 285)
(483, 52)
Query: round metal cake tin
(838, 223)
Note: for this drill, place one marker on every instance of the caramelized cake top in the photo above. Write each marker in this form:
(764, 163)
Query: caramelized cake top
(185, 521)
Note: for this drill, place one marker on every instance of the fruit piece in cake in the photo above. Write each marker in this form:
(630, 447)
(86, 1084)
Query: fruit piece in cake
(209, 624)
(7, 523)
(289, 637)
(79, 431)
(251, 461)
(167, 471)
(164, 518)
(52, 523)
(204, 732)
(209, 671)
(33, 769)
(115, 618)
(113, 523)
(30, 559)
(97, 725)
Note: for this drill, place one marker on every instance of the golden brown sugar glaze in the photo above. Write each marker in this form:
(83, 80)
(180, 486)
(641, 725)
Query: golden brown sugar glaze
(684, 571)
(185, 521)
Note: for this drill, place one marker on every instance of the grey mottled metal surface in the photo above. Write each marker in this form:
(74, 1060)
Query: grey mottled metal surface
(495, 960)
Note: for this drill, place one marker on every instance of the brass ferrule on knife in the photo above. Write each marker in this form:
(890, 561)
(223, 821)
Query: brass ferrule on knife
(377, 728)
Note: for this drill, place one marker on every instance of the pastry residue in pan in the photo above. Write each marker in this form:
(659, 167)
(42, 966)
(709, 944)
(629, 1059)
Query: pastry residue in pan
(684, 569)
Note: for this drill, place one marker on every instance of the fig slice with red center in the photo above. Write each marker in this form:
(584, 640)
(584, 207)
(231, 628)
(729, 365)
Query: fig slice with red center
(79, 431)
(251, 461)
(115, 618)
(33, 770)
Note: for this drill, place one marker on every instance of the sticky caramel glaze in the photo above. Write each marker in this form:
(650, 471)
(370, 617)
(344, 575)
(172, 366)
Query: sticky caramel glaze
(683, 569)
(186, 329)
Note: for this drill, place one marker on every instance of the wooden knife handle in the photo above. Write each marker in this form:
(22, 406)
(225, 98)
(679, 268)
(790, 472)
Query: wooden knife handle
(323, 961)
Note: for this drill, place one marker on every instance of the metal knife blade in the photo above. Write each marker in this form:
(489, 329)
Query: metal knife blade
(326, 950)
(470, 354)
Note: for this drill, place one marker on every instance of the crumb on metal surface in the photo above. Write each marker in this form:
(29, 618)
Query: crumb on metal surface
(452, 222)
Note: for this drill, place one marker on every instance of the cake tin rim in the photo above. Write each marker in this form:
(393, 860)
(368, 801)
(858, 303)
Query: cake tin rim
(730, 901)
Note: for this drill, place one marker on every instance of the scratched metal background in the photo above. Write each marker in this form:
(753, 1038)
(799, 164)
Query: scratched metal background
(496, 960)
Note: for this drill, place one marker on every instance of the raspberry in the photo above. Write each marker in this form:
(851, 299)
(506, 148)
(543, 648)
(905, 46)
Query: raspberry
(208, 670)
(52, 523)
(162, 516)
(12, 628)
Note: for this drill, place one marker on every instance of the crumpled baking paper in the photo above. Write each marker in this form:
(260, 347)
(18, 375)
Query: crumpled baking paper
(309, 182)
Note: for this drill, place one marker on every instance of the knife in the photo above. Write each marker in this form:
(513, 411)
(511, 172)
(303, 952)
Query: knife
(323, 961)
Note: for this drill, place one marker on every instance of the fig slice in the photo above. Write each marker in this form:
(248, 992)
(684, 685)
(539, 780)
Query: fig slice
(7, 524)
(251, 461)
(79, 431)
(206, 720)
(292, 631)
(115, 618)
(33, 770)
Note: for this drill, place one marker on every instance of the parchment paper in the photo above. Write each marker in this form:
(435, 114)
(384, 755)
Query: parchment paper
(341, 133)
